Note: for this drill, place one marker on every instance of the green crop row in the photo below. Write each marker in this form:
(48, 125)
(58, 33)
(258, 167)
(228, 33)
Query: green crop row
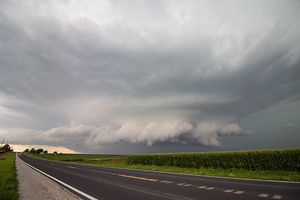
(287, 160)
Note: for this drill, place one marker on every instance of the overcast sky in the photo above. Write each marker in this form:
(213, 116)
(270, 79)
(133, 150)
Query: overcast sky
(150, 76)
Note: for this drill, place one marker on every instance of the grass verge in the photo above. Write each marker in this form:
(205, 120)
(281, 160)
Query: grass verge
(119, 161)
(8, 177)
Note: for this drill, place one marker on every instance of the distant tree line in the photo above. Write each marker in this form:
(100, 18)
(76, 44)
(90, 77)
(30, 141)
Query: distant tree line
(5, 148)
(39, 151)
(36, 151)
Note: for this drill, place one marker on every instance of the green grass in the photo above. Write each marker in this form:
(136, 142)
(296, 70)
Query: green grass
(120, 161)
(233, 173)
(96, 159)
(8, 177)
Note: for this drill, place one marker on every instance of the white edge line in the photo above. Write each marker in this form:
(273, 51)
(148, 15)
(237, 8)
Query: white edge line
(62, 183)
(195, 175)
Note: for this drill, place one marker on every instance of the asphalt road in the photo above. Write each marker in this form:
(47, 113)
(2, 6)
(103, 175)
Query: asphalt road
(118, 184)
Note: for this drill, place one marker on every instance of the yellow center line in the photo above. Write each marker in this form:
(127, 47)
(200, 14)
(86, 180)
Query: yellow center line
(139, 178)
(72, 167)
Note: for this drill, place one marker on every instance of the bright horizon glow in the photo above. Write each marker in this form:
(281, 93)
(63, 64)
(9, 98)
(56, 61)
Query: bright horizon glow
(50, 149)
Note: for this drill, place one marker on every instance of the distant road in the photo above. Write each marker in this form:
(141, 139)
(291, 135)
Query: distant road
(119, 184)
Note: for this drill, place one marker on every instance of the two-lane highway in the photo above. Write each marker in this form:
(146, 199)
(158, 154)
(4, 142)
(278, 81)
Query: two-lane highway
(116, 184)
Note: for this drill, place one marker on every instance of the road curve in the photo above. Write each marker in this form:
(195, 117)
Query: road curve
(116, 184)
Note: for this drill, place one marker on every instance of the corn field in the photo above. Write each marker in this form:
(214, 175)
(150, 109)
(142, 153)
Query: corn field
(287, 160)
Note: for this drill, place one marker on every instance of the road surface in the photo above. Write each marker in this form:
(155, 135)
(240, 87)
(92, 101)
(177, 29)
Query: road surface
(35, 186)
(118, 184)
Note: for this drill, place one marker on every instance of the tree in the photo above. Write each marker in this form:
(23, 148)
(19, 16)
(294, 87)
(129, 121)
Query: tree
(39, 151)
(32, 150)
(45, 152)
(26, 151)
(6, 148)
(55, 152)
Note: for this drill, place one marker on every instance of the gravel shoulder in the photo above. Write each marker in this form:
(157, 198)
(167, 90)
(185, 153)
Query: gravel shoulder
(35, 186)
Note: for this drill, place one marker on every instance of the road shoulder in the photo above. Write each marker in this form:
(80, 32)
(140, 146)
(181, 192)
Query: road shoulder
(35, 186)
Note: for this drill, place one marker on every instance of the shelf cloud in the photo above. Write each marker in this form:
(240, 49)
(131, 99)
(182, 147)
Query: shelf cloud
(207, 134)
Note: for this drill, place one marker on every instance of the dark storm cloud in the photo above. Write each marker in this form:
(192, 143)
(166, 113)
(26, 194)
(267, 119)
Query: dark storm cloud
(96, 73)
(292, 125)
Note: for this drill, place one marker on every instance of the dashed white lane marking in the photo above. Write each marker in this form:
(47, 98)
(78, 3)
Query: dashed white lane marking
(209, 188)
(167, 182)
(228, 191)
(202, 187)
(277, 196)
(263, 195)
(184, 184)
(239, 192)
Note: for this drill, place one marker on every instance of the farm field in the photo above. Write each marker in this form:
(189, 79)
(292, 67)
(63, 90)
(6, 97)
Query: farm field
(94, 159)
(280, 165)
(8, 177)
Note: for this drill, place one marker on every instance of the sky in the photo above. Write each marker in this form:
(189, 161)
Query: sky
(150, 76)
